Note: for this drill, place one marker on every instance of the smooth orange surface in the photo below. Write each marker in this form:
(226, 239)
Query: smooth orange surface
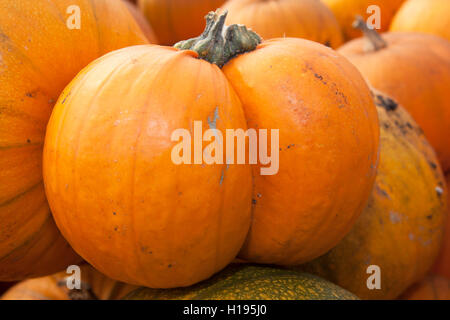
(54, 287)
(346, 11)
(402, 226)
(428, 16)
(114, 191)
(39, 56)
(431, 288)
(308, 19)
(176, 20)
(442, 265)
(414, 69)
(328, 147)
(142, 22)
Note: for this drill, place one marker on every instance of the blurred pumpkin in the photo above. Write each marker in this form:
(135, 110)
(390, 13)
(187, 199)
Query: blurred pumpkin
(308, 19)
(142, 21)
(346, 10)
(431, 287)
(250, 282)
(401, 229)
(32, 75)
(428, 16)
(442, 265)
(132, 213)
(175, 20)
(414, 69)
(94, 285)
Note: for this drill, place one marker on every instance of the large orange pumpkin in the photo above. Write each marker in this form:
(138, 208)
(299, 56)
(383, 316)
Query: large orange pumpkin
(431, 287)
(309, 19)
(442, 265)
(94, 286)
(401, 229)
(346, 10)
(414, 69)
(175, 20)
(37, 60)
(131, 212)
(428, 16)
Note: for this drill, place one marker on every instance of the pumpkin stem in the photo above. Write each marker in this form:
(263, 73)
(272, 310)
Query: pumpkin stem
(375, 41)
(219, 43)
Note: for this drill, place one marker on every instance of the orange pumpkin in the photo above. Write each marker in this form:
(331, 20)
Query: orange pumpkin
(175, 20)
(94, 285)
(430, 288)
(401, 228)
(124, 205)
(442, 265)
(142, 22)
(346, 10)
(428, 16)
(309, 19)
(414, 69)
(32, 75)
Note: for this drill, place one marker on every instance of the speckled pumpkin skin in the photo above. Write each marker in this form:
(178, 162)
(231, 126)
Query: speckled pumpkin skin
(94, 286)
(401, 228)
(39, 55)
(249, 282)
(431, 287)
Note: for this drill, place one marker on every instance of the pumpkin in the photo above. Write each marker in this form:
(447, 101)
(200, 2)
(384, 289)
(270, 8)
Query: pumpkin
(431, 287)
(401, 228)
(32, 75)
(423, 16)
(136, 216)
(346, 10)
(414, 69)
(94, 285)
(309, 19)
(175, 20)
(442, 264)
(250, 282)
(141, 21)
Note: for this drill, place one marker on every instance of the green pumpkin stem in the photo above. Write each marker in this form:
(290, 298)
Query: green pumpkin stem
(219, 43)
(375, 41)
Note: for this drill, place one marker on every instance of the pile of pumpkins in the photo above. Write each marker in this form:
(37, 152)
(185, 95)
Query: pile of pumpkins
(86, 170)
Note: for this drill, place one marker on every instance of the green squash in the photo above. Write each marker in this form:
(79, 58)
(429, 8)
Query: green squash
(251, 282)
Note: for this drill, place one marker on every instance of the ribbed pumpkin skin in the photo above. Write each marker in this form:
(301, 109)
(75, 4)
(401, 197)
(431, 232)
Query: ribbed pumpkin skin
(442, 265)
(328, 140)
(32, 75)
(141, 21)
(176, 20)
(114, 191)
(54, 287)
(346, 10)
(428, 16)
(414, 69)
(401, 229)
(308, 19)
(249, 282)
(430, 288)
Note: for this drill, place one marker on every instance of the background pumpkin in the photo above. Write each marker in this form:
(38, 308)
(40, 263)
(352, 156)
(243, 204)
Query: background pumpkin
(175, 20)
(346, 10)
(249, 282)
(32, 75)
(142, 21)
(401, 229)
(309, 19)
(429, 16)
(94, 285)
(414, 69)
(442, 265)
(431, 287)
